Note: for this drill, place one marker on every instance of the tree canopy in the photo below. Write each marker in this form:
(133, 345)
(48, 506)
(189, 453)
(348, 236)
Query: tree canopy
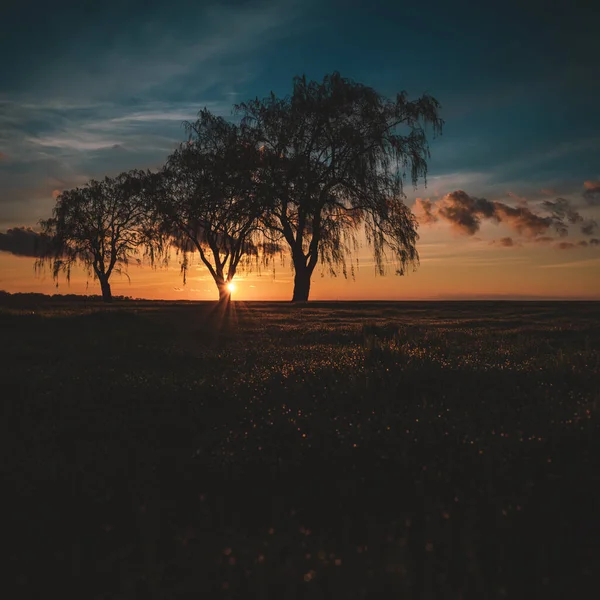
(101, 226)
(208, 197)
(336, 155)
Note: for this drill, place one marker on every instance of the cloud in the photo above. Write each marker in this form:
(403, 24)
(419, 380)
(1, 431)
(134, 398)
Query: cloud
(465, 214)
(565, 246)
(571, 245)
(522, 201)
(76, 141)
(110, 99)
(594, 242)
(589, 227)
(591, 193)
(586, 262)
(523, 220)
(3, 156)
(544, 239)
(562, 209)
(507, 242)
(23, 241)
(424, 209)
(185, 49)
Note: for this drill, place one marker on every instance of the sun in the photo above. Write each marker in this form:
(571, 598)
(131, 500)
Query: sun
(231, 287)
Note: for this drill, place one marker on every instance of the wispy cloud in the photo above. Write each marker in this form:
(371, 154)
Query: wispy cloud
(123, 106)
(76, 141)
(213, 44)
(585, 262)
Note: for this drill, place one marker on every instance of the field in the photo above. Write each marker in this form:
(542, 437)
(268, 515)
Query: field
(332, 450)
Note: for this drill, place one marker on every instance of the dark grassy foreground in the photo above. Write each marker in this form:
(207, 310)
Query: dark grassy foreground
(432, 450)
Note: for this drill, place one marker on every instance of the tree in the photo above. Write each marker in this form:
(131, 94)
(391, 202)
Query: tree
(101, 226)
(208, 198)
(336, 155)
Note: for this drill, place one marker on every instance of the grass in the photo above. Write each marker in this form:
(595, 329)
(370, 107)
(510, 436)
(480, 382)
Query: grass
(335, 450)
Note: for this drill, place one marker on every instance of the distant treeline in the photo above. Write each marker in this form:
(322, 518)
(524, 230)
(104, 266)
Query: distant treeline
(27, 297)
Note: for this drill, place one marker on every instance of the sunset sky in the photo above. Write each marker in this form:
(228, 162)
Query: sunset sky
(512, 205)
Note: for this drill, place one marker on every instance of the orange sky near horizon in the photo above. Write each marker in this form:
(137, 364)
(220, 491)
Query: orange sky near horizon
(452, 267)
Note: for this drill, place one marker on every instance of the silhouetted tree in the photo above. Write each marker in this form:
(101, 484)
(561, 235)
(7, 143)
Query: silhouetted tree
(208, 198)
(336, 155)
(101, 226)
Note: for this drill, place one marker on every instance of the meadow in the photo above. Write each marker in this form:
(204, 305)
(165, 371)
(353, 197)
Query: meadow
(329, 450)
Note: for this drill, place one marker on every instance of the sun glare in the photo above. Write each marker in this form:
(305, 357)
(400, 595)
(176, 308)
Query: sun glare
(231, 287)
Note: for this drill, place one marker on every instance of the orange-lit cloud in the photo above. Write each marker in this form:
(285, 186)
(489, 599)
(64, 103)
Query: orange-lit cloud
(3, 156)
(465, 214)
(507, 242)
(522, 201)
(425, 211)
(591, 193)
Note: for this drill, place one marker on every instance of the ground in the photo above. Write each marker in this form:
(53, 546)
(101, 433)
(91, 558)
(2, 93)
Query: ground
(331, 450)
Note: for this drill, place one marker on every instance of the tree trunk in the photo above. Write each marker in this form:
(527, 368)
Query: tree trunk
(301, 283)
(224, 293)
(105, 286)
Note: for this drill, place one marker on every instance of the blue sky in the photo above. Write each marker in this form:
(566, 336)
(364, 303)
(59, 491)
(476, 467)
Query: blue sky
(89, 89)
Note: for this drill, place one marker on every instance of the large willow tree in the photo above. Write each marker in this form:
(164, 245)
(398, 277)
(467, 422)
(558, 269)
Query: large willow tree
(336, 154)
(208, 196)
(101, 226)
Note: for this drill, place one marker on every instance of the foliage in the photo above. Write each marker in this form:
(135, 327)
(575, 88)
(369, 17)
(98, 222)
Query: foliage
(337, 153)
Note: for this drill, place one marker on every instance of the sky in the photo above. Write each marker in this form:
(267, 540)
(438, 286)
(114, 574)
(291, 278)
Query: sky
(512, 203)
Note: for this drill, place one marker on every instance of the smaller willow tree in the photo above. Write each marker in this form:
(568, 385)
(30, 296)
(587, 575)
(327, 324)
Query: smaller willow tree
(101, 226)
(208, 197)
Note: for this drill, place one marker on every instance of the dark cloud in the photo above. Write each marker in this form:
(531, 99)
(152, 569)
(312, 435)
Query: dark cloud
(544, 239)
(565, 246)
(23, 241)
(594, 242)
(562, 209)
(589, 227)
(465, 213)
(591, 194)
(523, 220)
(572, 245)
(507, 242)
